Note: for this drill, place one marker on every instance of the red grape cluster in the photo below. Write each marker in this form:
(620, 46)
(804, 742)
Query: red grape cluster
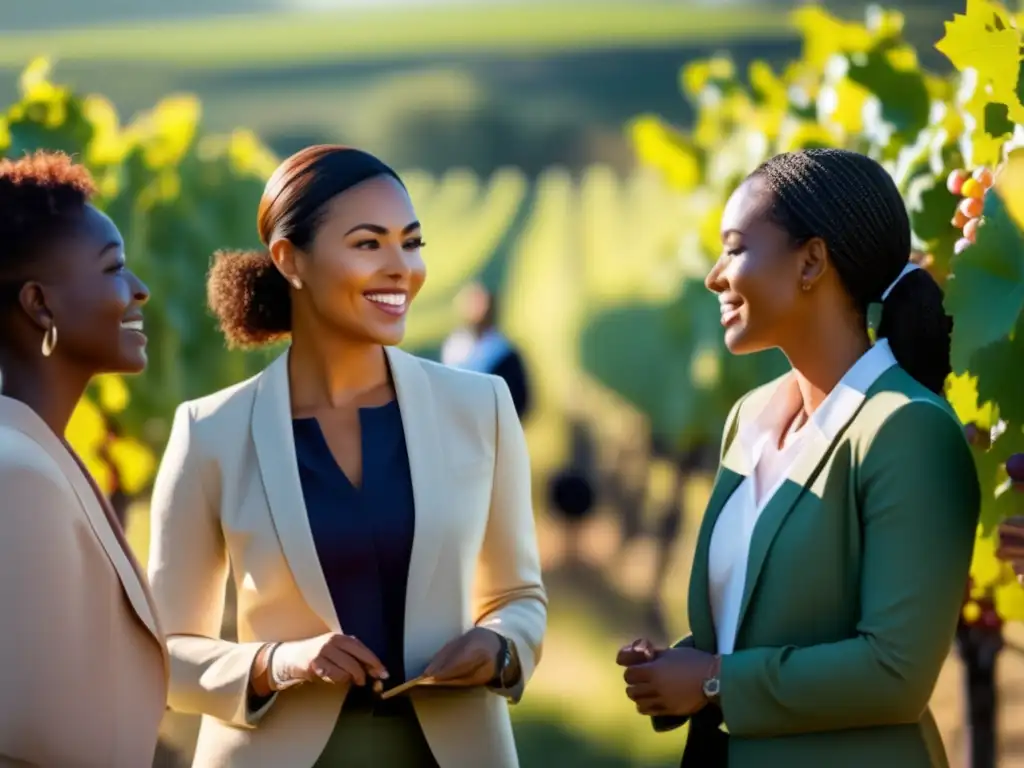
(972, 188)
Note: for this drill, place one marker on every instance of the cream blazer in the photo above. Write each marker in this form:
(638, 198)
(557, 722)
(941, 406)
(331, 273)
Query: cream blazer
(83, 668)
(228, 494)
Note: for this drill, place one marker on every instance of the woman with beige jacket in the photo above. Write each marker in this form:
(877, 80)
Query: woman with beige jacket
(83, 668)
(374, 508)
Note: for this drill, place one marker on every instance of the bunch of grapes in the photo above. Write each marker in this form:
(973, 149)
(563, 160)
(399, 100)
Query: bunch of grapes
(972, 188)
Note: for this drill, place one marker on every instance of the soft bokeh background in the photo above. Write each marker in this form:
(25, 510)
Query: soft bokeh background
(516, 124)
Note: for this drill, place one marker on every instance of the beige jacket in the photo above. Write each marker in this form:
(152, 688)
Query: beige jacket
(228, 492)
(83, 668)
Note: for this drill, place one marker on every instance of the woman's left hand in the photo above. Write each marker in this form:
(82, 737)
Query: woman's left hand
(467, 661)
(672, 684)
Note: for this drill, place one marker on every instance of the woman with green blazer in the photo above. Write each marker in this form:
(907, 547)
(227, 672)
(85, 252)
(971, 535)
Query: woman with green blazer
(833, 556)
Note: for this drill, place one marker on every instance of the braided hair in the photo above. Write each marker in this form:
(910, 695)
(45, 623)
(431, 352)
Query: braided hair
(852, 203)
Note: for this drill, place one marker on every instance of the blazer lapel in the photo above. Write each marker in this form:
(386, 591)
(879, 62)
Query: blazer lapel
(702, 623)
(427, 468)
(101, 519)
(801, 476)
(275, 450)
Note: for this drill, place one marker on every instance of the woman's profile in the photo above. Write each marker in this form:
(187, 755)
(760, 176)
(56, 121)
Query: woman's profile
(83, 668)
(374, 508)
(833, 556)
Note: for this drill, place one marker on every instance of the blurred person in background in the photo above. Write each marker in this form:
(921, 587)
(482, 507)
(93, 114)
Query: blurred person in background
(374, 507)
(83, 678)
(480, 346)
(832, 558)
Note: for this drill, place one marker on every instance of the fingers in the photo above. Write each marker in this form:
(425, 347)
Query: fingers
(440, 662)
(1011, 534)
(360, 653)
(627, 657)
(339, 666)
(1010, 554)
(638, 674)
(641, 692)
(637, 652)
(461, 662)
(651, 707)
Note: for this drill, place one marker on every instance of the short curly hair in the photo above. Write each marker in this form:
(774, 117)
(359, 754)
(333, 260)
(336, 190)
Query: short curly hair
(41, 194)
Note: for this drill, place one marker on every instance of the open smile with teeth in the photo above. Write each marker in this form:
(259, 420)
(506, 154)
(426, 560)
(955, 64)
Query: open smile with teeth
(391, 299)
(132, 325)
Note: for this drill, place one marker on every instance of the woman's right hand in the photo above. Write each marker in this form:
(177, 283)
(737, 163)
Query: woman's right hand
(640, 651)
(332, 657)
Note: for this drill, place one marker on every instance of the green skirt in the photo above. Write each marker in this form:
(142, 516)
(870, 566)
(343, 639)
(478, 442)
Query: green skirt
(376, 734)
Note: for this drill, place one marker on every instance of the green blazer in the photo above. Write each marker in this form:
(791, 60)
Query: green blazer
(855, 579)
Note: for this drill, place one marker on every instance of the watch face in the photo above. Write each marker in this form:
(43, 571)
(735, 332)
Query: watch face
(711, 687)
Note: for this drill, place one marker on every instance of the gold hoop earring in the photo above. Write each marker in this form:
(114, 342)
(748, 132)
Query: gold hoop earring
(806, 286)
(49, 340)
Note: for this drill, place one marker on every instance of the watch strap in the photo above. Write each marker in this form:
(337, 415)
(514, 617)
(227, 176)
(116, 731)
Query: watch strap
(504, 660)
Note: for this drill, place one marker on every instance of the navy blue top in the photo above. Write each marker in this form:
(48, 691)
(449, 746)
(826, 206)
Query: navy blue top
(363, 535)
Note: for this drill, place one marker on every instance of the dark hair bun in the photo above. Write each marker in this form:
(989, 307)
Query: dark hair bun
(250, 298)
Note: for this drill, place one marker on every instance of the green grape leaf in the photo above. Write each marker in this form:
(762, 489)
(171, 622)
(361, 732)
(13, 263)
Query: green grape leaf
(997, 500)
(997, 121)
(985, 294)
(962, 394)
(903, 93)
(997, 367)
(931, 208)
(984, 39)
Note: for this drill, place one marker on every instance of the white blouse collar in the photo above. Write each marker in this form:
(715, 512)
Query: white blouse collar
(835, 411)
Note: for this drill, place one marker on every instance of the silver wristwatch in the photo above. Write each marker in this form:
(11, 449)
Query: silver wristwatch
(711, 687)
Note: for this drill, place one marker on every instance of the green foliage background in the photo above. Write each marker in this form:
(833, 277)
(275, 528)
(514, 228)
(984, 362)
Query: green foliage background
(599, 266)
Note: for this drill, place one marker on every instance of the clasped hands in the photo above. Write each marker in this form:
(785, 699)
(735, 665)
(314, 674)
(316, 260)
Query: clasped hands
(467, 661)
(665, 681)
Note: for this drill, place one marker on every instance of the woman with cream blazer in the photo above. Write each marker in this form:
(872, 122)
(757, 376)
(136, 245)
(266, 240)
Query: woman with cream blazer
(228, 499)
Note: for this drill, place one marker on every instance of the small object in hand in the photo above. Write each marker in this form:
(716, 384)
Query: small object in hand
(407, 685)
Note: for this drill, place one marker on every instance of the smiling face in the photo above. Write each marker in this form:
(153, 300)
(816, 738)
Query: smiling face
(364, 266)
(92, 298)
(760, 274)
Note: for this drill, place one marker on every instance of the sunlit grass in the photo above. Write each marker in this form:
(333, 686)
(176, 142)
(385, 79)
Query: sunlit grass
(271, 39)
